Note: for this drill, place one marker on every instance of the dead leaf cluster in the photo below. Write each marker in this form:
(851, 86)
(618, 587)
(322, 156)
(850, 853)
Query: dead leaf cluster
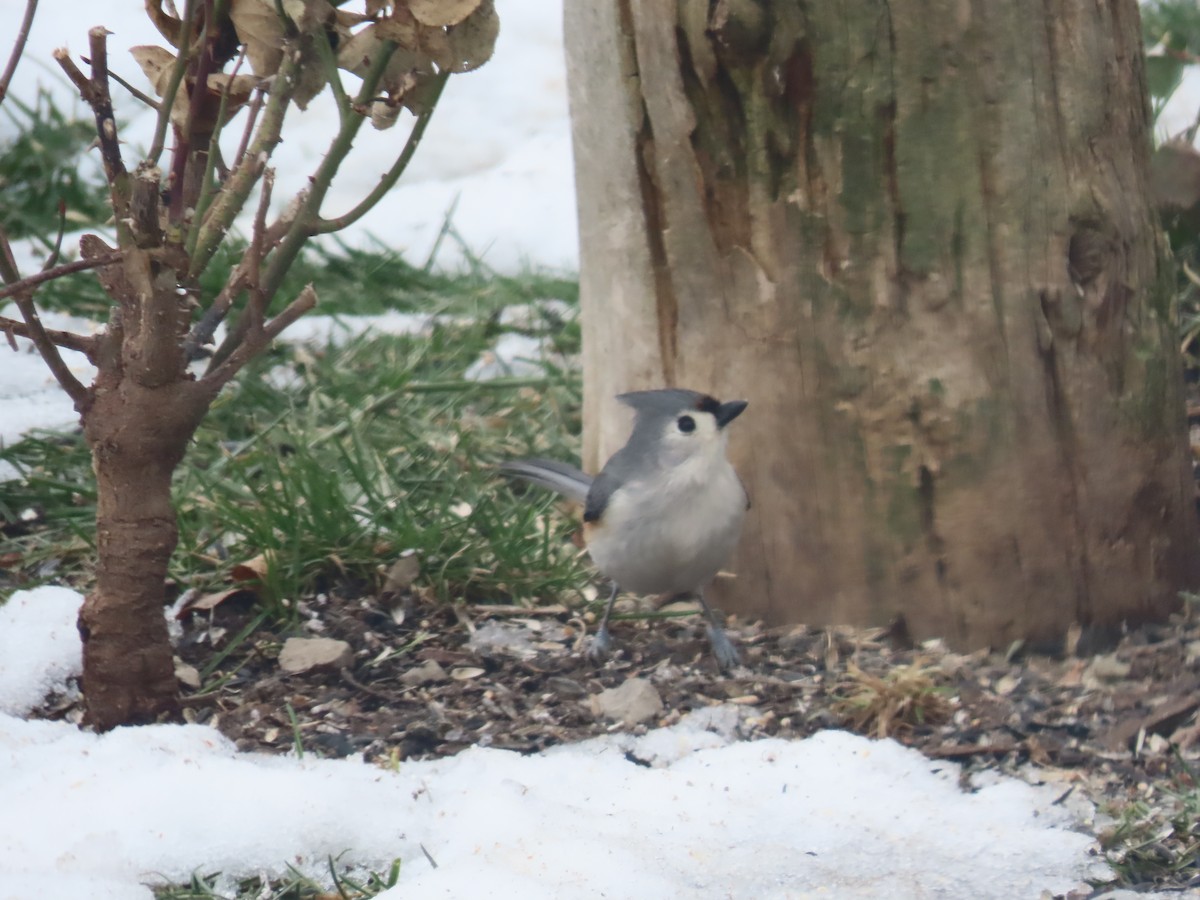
(431, 36)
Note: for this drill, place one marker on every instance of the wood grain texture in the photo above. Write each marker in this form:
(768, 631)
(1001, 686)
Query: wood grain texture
(918, 238)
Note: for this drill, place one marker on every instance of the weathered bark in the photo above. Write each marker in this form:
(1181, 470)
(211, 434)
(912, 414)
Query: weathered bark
(138, 436)
(138, 417)
(919, 240)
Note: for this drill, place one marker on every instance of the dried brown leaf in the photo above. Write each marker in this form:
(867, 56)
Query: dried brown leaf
(239, 87)
(157, 64)
(168, 26)
(440, 13)
(402, 28)
(406, 75)
(402, 573)
(206, 602)
(470, 44)
(252, 569)
(384, 115)
(258, 27)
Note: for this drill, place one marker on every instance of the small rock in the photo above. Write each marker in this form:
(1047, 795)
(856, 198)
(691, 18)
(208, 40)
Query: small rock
(1006, 684)
(426, 673)
(1108, 668)
(305, 654)
(635, 701)
(188, 676)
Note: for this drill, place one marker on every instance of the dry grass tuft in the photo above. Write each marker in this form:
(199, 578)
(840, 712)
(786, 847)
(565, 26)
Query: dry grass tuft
(884, 706)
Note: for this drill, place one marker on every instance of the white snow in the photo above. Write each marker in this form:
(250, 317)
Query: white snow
(102, 816)
(88, 815)
(39, 646)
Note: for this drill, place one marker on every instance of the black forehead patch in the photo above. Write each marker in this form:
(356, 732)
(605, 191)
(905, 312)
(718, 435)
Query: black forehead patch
(707, 404)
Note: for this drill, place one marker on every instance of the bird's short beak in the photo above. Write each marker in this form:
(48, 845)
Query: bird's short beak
(727, 412)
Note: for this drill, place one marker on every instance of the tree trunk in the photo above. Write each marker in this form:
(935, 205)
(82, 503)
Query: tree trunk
(138, 417)
(138, 436)
(918, 239)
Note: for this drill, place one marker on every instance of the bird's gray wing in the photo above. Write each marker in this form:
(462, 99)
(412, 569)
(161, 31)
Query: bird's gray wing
(550, 473)
(620, 469)
(597, 498)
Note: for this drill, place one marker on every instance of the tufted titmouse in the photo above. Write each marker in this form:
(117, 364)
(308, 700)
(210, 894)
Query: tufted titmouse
(666, 511)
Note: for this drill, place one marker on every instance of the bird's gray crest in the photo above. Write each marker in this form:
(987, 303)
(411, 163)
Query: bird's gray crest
(668, 402)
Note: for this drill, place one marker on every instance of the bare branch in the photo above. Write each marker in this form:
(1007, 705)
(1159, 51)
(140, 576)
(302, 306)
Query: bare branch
(63, 58)
(18, 284)
(249, 168)
(202, 332)
(194, 142)
(329, 61)
(18, 48)
(339, 147)
(85, 344)
(388, 181)
(168, 97)
(137, 95)
(52, 258)
(144, 205)
(35, 331)
(254, 106)
(258, 234)
(98, 44)
(207, 183)
(96, 94)
(244, 276)
(258, 339)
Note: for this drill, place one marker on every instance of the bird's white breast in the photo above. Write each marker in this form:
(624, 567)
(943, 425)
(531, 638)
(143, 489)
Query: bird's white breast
(672, 532)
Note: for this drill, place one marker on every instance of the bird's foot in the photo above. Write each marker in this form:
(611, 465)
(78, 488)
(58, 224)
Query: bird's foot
(600, 645)
(723, 649)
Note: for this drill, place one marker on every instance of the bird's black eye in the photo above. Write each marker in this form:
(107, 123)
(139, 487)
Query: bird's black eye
(686, 424)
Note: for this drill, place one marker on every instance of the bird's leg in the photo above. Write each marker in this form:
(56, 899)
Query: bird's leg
(722, 648)
(598, 649)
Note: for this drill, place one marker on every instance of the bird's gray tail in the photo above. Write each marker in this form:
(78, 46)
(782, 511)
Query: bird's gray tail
(550, 473)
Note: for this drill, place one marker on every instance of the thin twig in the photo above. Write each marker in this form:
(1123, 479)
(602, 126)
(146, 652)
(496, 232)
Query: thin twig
(14, 287)
(35, 331)
(85, 344)
(63, 57)
(258, 245)
(52, 258)
(18, 48)
(106, 122)
(168, 97)
(202, 332)
(137, 95)
(256, 101)
(206, 181)
(329, 61)
(96, 94)
(257, 341)
(256, 308)
(388, 181)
